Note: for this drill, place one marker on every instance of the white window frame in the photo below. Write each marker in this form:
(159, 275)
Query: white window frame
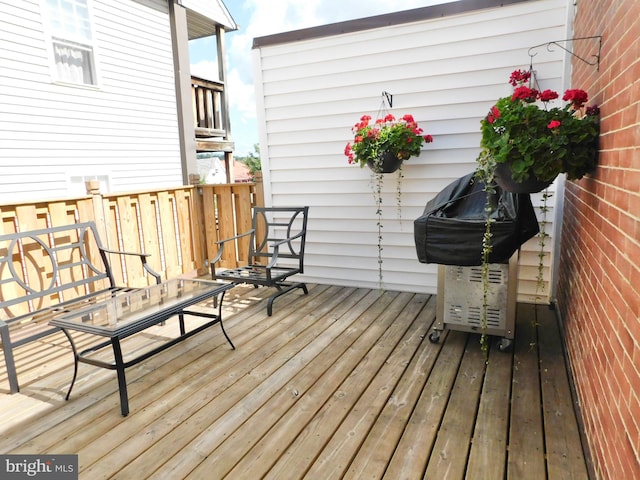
(77, 39)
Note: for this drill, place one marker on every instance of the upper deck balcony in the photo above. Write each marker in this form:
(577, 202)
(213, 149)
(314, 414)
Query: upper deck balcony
(211, 128)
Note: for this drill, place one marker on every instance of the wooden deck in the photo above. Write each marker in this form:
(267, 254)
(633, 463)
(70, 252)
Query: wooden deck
(342, 383)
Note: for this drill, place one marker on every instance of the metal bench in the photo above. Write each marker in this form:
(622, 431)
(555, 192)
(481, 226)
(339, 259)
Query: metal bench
(276, 251)
(48, 272)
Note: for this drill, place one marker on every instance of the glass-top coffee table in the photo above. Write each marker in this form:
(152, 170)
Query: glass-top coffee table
(132, 312)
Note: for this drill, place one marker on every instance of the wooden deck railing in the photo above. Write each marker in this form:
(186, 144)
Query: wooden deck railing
(178, 226)
(208, 105)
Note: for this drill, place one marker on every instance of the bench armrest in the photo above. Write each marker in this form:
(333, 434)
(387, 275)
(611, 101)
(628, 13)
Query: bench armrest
(143, 259)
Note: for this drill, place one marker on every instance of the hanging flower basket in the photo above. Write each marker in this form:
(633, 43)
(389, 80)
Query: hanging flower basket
(387, 162)
(526, 141)
(401, 138)
(383, 146)
(504, 178)
(530, 140)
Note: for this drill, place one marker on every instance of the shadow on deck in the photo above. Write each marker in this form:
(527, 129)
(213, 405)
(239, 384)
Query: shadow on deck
(342, 383)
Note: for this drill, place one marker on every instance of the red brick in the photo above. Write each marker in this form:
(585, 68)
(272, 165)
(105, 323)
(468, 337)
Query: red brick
(631, 182)
(629, 158)
(599, 276)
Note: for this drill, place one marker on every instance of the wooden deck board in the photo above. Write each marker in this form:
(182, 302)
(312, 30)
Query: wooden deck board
(414, 448)
(384, 368)
(380, 444)
(283, 412)
(359, 368)
(262, 383)
(526, 436)
(565, 457)
(488, 453)
(449, 455)
(342, 383)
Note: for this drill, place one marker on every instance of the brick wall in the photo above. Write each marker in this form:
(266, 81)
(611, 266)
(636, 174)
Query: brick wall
(599, 276)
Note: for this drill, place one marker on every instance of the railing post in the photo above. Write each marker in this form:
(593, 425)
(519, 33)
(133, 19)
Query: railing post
(198, 226)
(93, 189)
(259, 192)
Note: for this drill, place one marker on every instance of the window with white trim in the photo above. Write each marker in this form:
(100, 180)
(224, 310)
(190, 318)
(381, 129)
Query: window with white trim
(73, 52)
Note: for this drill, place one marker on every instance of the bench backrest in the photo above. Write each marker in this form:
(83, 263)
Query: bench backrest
(47, 267)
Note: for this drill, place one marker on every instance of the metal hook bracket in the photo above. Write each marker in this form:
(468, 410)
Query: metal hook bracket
(555, 43)
(388, 97)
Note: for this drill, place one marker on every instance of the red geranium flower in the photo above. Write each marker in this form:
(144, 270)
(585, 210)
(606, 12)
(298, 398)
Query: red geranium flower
(548, 95)
(493, 114)
(577, 97)
(525, 93)
(592, 111)
(519, 77)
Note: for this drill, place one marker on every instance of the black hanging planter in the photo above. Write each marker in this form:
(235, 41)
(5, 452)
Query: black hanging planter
(504, 179)
(388, 163)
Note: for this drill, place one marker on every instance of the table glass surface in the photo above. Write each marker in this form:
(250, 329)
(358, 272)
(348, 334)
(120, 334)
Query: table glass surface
(110, 316)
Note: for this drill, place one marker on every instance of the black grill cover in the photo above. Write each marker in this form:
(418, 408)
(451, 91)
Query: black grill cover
(450, 230)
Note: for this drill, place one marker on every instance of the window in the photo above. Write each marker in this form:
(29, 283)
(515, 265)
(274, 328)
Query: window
(72, 41)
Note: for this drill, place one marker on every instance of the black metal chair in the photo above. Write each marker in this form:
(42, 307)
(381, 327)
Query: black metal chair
(276, 251)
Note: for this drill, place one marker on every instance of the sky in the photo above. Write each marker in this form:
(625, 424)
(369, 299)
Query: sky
(257, 18)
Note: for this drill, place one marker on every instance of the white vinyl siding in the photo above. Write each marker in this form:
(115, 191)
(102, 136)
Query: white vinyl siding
(446, 72)
(125, 129)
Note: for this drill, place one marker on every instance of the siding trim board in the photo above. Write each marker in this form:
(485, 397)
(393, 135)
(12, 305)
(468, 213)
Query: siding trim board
(380, 21)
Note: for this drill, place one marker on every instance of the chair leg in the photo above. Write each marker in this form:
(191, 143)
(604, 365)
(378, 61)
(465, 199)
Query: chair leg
(7, 349)
(281, 291)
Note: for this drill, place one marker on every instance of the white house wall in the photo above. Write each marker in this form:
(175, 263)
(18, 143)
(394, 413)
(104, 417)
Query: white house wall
(447, 72)
(125, 129)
